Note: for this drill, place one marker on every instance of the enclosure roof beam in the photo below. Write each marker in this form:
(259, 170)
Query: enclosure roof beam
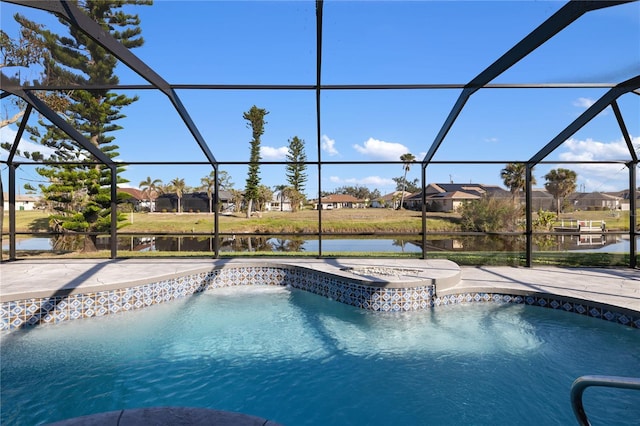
(595, 109)
(13, 86)
(624, 130)
(16, 140)
(69, 12)
(557, 22)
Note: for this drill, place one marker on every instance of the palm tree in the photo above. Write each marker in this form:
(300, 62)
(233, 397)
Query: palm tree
(394, 199)
(150, 189)
(265, 195)
(407, 159)
(164, 188)
(560, 183)
(178, 187)
(280, 190)
(295, 197)
(208, 184)
(514, 178)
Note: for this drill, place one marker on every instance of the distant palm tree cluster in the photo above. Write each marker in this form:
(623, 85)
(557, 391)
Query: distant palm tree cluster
(559, 182)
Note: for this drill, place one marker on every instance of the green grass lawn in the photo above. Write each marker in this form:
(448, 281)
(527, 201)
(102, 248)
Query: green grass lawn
(342, 220)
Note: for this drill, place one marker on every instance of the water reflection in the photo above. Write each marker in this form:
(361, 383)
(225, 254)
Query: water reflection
(297, 244)
(494, 243)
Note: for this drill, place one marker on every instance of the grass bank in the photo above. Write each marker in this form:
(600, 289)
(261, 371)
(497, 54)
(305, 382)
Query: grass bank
(341, 220)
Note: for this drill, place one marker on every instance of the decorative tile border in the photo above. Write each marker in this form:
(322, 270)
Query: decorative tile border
(581, 307)
(35, 311)
(29, 312)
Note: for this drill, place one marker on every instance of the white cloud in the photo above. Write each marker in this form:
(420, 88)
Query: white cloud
(375, 181)
(328, 145)
(271, 153)
(382, 150)
(491, 140)
(583, 102)
(591, 150)
(598, 177)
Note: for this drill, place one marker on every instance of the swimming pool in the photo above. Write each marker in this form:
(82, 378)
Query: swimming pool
(300, 359)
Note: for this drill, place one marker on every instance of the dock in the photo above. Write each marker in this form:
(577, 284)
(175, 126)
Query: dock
(581, 226)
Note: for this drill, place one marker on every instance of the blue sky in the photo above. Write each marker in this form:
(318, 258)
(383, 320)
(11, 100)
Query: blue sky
(242, 42)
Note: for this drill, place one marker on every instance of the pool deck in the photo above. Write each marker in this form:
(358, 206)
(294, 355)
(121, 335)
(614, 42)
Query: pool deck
(616, 287)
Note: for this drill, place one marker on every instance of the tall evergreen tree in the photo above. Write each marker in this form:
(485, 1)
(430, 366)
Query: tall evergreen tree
(80, 194)
(296, 175)
(23, 51)
(255, 118)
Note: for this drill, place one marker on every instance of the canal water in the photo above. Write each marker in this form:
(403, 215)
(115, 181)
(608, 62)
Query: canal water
(584, 243)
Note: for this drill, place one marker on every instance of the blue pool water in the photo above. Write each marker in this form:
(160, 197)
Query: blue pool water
(300, 359)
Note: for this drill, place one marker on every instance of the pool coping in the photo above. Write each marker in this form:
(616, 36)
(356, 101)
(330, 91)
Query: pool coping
(80, 279)
(611, 294)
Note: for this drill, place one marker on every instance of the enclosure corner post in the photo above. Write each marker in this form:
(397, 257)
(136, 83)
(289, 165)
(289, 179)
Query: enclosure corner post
(216, 211)
(528, 217)
(632, 214)
(424, 212)
(113, 238)
(12, 211)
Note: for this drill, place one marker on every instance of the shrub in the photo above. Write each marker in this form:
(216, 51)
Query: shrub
(490, 214)
(544, 220)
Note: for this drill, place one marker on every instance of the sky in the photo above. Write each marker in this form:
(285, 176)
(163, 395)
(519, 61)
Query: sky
(370, 42)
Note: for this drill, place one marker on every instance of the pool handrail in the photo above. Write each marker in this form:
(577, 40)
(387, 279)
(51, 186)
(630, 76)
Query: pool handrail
(583, 382)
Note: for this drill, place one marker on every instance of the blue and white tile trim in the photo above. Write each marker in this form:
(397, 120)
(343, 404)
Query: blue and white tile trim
(46, 310)
(581, 307)
(34, 311)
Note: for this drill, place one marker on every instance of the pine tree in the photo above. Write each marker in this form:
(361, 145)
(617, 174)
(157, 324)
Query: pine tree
(23, 51)
(296, 168)
(255, 118)
(80, 194)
